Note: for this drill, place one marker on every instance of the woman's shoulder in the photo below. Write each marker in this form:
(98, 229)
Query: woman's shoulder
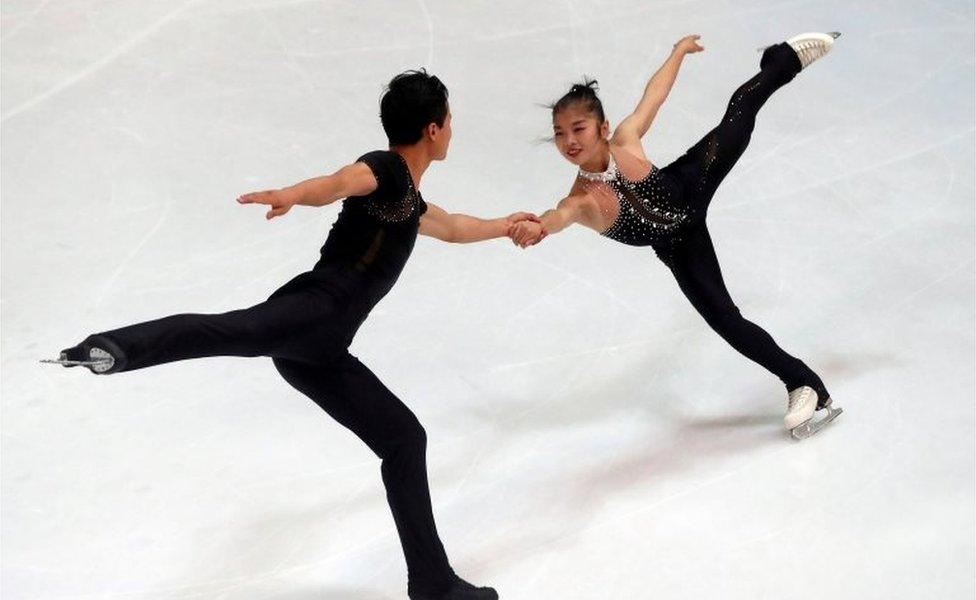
(632, 164)
(579, 186)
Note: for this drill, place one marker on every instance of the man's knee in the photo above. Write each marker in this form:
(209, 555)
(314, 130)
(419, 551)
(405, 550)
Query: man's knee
(404, 436)
(411, 433)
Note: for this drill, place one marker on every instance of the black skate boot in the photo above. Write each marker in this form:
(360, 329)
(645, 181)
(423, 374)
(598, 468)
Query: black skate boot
(461, 590)
(99, 354)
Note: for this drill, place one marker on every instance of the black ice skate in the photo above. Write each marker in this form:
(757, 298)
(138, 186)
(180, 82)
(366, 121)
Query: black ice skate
(461, 590)
(92, 354)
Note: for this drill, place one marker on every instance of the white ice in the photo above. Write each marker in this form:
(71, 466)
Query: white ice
(591, 438)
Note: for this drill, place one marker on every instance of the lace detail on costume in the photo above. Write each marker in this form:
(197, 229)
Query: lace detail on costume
(400, 209)
(606, 176)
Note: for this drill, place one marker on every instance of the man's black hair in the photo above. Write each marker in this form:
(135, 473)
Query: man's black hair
(413, 100)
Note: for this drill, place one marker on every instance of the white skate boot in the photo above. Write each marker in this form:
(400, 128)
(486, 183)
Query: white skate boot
(811, 46)
(799, 413)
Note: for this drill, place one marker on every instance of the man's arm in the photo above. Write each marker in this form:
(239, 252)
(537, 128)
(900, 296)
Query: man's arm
(462, 229)
(352, 180)
(633, 128)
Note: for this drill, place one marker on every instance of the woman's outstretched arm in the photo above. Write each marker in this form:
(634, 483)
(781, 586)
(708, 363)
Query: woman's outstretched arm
(633, 128)
(569, 210)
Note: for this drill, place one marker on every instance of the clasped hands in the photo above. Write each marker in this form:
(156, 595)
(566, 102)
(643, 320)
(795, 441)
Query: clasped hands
(525, 229)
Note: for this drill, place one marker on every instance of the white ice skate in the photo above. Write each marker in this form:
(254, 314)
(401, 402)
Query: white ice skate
(811, 46)
(98, 360)
(801, 409)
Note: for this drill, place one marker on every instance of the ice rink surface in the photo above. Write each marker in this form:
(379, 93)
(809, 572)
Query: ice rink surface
(590, 437)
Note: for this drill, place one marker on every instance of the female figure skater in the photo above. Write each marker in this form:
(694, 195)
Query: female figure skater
(620, 194)
(307, 325)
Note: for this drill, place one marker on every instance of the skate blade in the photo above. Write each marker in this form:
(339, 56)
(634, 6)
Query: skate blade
(805, 430)
(75, 363)
(94, 364)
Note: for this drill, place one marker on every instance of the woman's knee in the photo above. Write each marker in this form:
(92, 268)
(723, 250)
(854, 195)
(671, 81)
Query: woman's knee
(723, 317)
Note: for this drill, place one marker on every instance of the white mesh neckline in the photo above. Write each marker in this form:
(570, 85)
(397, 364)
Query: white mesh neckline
(605, 176)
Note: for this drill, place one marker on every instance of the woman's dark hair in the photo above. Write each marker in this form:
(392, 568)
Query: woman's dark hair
(412, 100)
(583, 94)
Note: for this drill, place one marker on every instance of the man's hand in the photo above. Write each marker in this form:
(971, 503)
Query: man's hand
(280, 201)
(527, 233)
(521, 216)
(517, 218)
(688, 45)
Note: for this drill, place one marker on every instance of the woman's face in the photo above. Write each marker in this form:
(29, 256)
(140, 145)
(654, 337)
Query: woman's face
(578, 135)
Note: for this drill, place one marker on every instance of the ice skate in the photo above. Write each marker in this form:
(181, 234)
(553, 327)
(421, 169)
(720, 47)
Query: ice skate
(461, 590)
(803, 404)
(810, 46)
(98, 360)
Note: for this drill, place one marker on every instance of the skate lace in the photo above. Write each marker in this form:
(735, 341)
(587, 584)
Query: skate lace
(810, 50)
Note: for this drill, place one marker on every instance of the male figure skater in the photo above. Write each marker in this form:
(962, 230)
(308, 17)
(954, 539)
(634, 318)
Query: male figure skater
(307, 325)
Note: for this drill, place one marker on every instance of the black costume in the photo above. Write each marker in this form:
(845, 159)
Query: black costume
(306, 326)
(666, 210)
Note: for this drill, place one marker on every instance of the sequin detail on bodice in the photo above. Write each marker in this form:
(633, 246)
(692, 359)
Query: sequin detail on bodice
(649, 211)
(397, 210)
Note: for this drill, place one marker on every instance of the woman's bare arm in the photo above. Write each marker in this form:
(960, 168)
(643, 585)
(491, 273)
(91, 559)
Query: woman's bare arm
(633, 128)
(569, 210)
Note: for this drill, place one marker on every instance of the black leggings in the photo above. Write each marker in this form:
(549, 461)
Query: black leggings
(692, 260)
(354, 397)
(306, 327)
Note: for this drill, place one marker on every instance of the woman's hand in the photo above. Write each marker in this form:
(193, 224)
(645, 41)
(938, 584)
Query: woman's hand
(516, 219)
(688, 45)
(280, 201)
(527, 233)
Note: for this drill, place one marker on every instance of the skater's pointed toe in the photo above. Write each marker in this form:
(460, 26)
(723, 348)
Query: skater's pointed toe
(811, 46)
(97, 358)
(74, 354)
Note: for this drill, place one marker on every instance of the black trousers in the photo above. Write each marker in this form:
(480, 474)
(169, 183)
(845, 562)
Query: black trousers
(692, 260)
(306, 327)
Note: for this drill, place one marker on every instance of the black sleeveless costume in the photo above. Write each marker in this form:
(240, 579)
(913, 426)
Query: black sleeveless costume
(666, 210)
(306, 327)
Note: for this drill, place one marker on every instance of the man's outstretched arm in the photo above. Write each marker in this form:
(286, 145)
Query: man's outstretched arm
(462, 229)
(352, 180)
